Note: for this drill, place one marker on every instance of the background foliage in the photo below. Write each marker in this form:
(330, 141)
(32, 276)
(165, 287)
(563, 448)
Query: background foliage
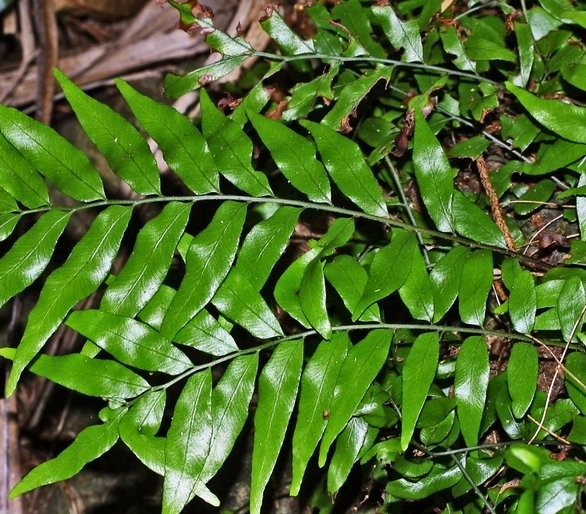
(385, 259)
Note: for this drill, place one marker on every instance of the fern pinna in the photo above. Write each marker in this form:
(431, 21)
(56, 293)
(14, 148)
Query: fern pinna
(339, 338)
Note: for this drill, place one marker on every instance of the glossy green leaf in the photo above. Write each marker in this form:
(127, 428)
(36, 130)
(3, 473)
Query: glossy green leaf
(223, 42)
(523, 303)
(575, 379)
(126, 151)
(452, 43)
(139, 426)
(287, 40)
(295, 158)
(352, 95)
(521, 130)
(209, 259)
(256, 98)
(339, 233)
(570, 305)
(318, 383)
(207, 335)
(154, 311)
(230, 400)
(359, 369)
(289, 284)
(435, 410)
(149, 262)
(389, 270)
(472, 222)
(473, 148)
(238, 301)
(67, 167)
(231, 150)
(7, 202)
(553, 156)
(475, 284)
(356, 19)
(526, 53)
(445, 277)
(418, 374)
(20, 178)
(183, 146)
(7, 224)
(354, 439)
(575, 73)
(470, 386)
(401, 34)
(522, 374)
(535, 197)
(277, 392)
(92, 377)
(91, 443)
(178, 85)
(345, 164)
(147, 412)
(417, 291)
(84, 270)
(349, 278)
(150, 450)
(312, 298)
(23, 263)
(480, 467)
(434, 174)
(444, 433)
(129, 341)
(564, 119)
(304, 95)
(265, 243)
(188, 444)
(439, 479)
(560, 487)
(481, 48)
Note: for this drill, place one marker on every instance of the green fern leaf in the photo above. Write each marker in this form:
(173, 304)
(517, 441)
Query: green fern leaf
(91, 443)
(126, 151)
(148, 265)
(345, 164)
(230, 400)
(206, 334)
(129, 341)
(92, 377)
(67, 167)
(317, 388)
(86, 268)
(295, 157)
(29, 256)
(209, 259)
(232, 150)
(183, 146)
(277, 392)
(359, 369)
(8, 223)
(26, 186)
(188, 442)
(139, 426)
(241, 303)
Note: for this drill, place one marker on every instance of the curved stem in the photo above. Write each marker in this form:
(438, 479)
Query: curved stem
(386, 220)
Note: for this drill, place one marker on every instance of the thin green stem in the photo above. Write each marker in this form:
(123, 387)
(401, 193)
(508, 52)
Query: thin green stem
(386, 220)
(341, 328)
(406, 206)
(477, 490)
(377, 60)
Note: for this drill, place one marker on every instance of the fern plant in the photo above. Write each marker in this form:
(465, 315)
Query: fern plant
(371, 345)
